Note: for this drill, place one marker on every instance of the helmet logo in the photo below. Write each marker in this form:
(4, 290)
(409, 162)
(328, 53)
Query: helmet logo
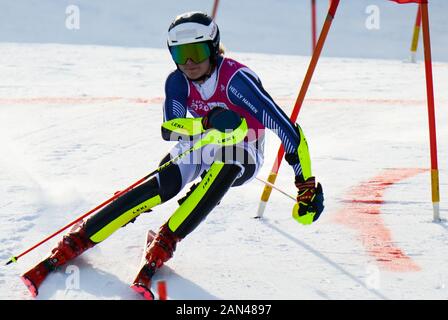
(186, 34)
(213, 32)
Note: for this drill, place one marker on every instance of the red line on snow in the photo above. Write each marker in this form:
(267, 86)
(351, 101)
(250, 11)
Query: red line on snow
(361, 101)
(362, 212)
(77, 100)
(159, 100)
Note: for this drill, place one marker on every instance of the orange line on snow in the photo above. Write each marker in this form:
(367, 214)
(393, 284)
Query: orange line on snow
(159, 100)
(362, 213)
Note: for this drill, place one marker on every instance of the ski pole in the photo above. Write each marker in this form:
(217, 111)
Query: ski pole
(15, 258)
(276, 188)
(212, 137)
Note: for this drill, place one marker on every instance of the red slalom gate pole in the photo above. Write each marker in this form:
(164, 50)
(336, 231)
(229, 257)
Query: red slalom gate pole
(298, 104)
(215, 9)
(431, 112)
(313, 24)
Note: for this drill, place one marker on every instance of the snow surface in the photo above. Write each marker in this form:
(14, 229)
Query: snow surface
(81, 122)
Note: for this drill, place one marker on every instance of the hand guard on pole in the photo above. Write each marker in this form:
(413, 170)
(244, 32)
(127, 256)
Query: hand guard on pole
(310, 201)
(220, 126)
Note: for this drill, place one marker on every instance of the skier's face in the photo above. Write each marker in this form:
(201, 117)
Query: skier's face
(195, 70)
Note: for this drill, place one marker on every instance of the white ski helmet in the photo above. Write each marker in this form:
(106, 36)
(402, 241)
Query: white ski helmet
(193, 27)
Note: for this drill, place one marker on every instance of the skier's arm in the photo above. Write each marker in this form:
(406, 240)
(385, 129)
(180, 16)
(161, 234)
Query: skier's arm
(174, 107)
(228, 128)
(246, 90)
(177, 127)
(176, 93)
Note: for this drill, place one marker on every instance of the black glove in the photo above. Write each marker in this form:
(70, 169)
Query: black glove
(221, 119)
(310, 201)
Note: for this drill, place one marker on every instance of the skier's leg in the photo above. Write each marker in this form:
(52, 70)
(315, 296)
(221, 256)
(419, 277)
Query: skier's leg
(197, 204)
(160, 189)
(233, 166)
(249, 156)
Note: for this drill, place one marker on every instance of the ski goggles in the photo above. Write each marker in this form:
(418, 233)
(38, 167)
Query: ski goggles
(198, 52)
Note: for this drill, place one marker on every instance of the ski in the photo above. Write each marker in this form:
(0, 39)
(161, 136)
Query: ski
(142, 283)
(34, 277)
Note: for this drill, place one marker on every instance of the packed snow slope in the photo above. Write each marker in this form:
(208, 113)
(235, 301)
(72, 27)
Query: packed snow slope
(266, 26)
(78, 123)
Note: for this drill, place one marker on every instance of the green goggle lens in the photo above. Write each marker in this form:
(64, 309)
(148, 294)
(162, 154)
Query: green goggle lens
(198, 52)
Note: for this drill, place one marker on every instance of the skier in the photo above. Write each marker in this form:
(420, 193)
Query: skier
(221, 94)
